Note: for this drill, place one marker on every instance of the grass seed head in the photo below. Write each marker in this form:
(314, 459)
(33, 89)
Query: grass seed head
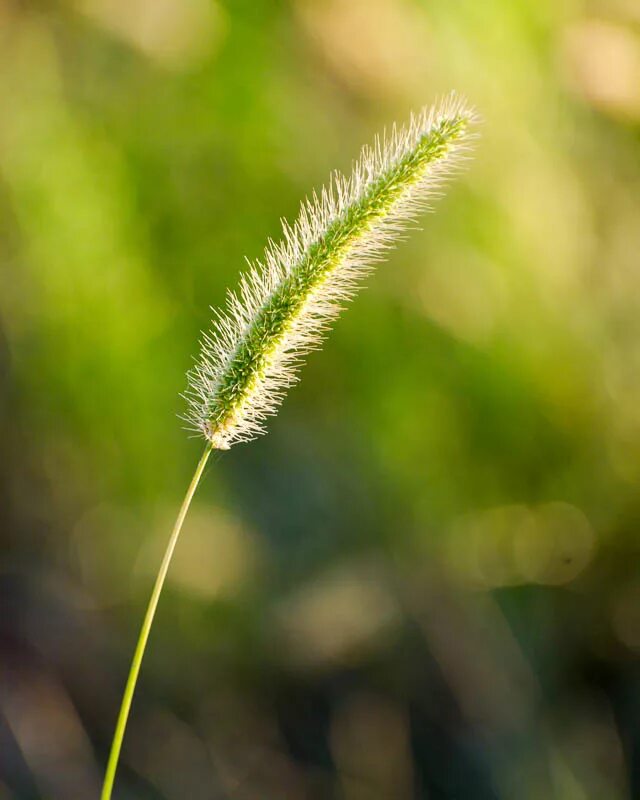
(286, 301)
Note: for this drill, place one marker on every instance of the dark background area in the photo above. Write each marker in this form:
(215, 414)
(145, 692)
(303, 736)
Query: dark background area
(424, 582)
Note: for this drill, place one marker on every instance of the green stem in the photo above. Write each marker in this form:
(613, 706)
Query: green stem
(138, 655)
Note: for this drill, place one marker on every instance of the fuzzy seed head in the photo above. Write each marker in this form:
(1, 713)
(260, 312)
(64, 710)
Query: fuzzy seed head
(286, 301)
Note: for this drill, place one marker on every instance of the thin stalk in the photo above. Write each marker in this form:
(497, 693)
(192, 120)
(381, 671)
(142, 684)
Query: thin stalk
(138, 655)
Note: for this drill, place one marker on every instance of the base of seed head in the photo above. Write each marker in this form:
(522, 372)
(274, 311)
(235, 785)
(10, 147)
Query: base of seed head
(215, 436)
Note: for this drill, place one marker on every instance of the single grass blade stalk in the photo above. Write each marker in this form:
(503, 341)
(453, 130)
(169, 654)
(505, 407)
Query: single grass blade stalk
(141, 645)
(287, 301)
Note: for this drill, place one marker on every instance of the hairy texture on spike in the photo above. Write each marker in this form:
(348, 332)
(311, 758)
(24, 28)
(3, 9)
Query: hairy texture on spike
(286, 301)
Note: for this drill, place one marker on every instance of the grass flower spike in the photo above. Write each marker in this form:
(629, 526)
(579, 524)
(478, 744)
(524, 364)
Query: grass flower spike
(286, 301)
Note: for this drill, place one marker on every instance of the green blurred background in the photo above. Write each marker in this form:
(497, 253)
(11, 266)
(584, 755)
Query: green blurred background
(424, 582)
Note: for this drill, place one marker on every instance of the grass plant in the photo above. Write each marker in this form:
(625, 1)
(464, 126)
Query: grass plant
(286, 302)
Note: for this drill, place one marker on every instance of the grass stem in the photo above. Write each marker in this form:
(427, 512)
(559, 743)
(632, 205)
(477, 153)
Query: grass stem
(141, 645)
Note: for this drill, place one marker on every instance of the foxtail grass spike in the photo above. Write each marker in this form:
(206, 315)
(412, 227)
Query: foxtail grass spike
(286, 301)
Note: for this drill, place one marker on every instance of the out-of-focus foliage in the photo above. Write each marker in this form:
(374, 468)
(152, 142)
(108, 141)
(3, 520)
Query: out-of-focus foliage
(425, 581)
